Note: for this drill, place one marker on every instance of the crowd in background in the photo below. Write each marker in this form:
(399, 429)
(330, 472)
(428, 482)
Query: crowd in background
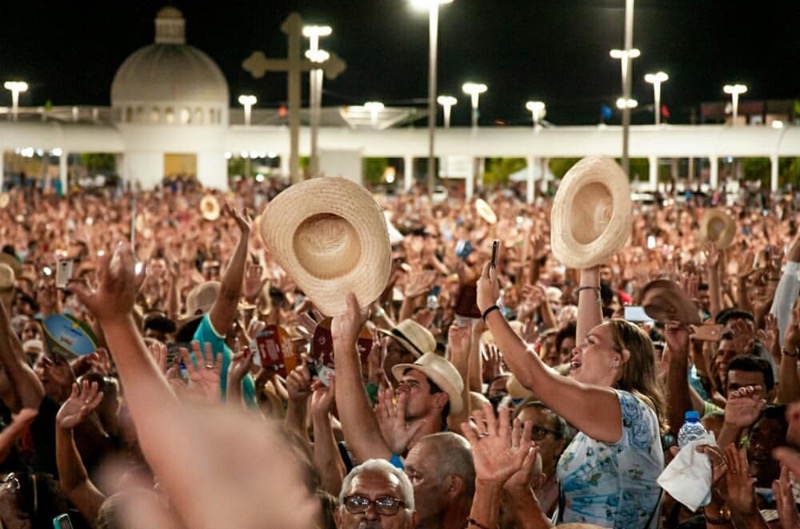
(441, 423)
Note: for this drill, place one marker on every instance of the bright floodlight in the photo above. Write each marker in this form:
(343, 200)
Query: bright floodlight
(619, 54)
(658, 77)
(15, 87)
(734, 89)
(446, 101)
(537, 109)
(627, 103)
(317, 56)
(427, 4)
(374, 106)
(247, 100)
(474, 88)
(317, 31)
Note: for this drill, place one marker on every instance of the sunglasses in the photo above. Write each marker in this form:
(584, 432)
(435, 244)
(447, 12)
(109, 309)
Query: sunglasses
(385, 505)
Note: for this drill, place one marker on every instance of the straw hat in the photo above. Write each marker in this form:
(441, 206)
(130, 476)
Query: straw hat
(591, 216)
(209, 207)
(5, 198)
(439, 370)
(7, 285)
(414, 337)
(485, 211)
(330, 236)
(718, 227)
(664, 300)
(199, 300)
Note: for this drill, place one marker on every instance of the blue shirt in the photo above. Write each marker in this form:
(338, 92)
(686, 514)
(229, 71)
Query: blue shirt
(207, 333)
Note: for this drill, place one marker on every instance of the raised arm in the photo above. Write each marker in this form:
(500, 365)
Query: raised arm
(326, 456)
(590, 313)
(27, 387)
(226, 305)
(360, 427)
(679, 398)
(594, 410)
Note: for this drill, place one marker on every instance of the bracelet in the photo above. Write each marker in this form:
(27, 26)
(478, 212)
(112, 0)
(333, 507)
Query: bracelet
(785, 352)
(472, 521)
(488, 311)
(586, 287)
(718, 521)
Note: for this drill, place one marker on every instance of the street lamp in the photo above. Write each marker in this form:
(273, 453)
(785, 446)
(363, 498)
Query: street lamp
(247, 101)
(626, 104)
(734, 90)
(656, 79)
(474, 90)
(374, 107)
(447, 103)
(317, 56)
(538, 111)
(433, 38)
(625, 55)
(15, 87)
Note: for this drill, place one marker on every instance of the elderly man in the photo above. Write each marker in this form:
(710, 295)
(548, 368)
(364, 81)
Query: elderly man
(376, 495)
(443, 475)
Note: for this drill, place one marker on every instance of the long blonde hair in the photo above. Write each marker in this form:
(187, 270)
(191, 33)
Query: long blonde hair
(639, 372)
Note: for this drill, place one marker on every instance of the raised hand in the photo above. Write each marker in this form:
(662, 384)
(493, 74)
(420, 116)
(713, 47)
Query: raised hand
(391, 415)
(241, 217)
(298, 383)
(204, 373)
(322, 396)
(498, 448)
(253, 282)
(488, 288)
(240, 366)
(346, 327)
(738, 491)
(784, 497)
(744, 406)
(81, 402)
(676, 335)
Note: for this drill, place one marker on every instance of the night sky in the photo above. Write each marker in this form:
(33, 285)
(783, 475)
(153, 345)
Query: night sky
(552, 50)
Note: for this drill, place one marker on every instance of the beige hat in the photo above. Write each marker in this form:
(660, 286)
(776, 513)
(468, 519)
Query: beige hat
(5, 198)
(517, 326)
(718, 227)
(11, 261)
(7, 285)
(485, 211)
(664, 300)
(330, 236)
(209, 207)
(439, 370)
(591, 215)
(199, 300)
(414, 337)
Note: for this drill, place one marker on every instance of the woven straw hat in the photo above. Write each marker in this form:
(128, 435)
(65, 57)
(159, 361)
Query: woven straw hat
(591, 216)
(718, 227)
(442, 373)
(414, 337)
(485, 211)
(199, 300)
(664, 300)
(209, 207)
(330, 236)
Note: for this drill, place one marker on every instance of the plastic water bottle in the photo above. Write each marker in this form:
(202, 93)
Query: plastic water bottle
(692, 428)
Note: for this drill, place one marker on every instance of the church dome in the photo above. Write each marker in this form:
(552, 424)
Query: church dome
(169, 74)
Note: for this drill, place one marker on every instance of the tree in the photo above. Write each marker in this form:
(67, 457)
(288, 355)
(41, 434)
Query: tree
(498, 170)
(374, 169)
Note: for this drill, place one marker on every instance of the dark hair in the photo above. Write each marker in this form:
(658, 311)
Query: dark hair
(753, 364)
(726, 315)
(569, 331)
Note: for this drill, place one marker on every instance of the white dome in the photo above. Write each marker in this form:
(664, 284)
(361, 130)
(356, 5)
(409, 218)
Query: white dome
(169, 72)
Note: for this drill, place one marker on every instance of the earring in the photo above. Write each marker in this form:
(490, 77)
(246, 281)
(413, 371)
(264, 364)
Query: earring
(615, 364)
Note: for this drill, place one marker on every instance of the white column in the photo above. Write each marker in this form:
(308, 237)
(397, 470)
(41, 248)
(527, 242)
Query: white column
(469, 183)
(285, 165)
(653, 165)
(530, 189)
(543, 175)
(713, 180)
(62, 172)
(773, 166)
(408, 172)
(2, 170)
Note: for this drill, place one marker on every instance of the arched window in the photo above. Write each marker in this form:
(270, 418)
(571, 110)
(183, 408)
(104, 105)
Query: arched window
(139, 115)
(170, 116)
(198, 116)
(155, 115)
(186, 116)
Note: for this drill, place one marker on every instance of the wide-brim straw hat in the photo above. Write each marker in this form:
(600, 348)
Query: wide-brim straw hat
(591, 215)
(664, 300)
(718, 227)
(330, 236)
(209, 207)
(485, 211)
(442, 373)
(415, 338)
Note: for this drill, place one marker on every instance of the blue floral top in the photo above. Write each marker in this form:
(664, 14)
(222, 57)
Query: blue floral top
(614, 484)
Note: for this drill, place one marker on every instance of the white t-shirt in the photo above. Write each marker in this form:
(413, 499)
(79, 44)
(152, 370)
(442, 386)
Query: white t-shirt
(614, 484)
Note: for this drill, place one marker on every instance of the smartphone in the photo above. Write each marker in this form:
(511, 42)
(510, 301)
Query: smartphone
(173, 351)
(62, 521)
(495, 249)
(651, 242)
(63, 272)
(463, 249)
(636, 314)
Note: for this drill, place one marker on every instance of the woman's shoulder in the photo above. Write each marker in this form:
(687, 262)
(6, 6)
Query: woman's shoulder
(637, 417)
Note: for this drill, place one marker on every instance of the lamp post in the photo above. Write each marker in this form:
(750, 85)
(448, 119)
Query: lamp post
(538, 112)
(625, 57)
(474, 90)
(433, 39)
(15, 87)
(317, 56)
(734, 90)
(447, 102)
(247, 101)
(656, 79)
(374, 107)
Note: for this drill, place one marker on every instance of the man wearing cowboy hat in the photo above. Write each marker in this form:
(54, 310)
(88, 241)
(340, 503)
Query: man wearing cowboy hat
(431, 389)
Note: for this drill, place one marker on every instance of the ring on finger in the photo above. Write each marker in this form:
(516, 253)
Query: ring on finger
(209, 366)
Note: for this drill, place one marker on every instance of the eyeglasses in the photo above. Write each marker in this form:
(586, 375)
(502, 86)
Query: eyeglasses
(385, 505)
(539, 432)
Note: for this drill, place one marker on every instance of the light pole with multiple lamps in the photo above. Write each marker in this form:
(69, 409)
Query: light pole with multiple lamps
(318, 57)
(656, 79)
(447, 102)
(433, 40)
(538, 112)
(474, 90)
(625, 55)
(247, 101)
(15, 87)
(734, 90)
(373, 107)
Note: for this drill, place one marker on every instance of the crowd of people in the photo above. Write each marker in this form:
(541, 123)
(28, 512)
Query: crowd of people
(515, 393)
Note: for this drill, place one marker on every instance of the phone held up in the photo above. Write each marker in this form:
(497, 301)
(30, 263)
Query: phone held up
(636, 314)
(62, 521)
(495, 250)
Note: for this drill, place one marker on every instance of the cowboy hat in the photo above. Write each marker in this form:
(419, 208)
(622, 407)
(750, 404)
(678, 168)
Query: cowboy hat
(718, 227)
(591, 216)
(199, 300)
(664, 300)
(414, 337)
(442, 373)
(209, 207)
(485, 211)
(330, 236)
